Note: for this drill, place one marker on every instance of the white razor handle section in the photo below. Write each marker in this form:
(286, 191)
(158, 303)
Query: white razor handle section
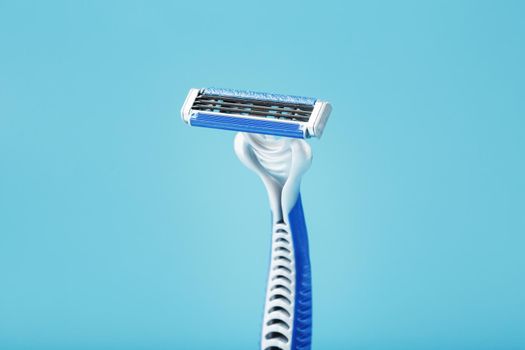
(280, 163)
(279, 308)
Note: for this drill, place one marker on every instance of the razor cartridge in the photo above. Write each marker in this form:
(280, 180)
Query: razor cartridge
(256, 112)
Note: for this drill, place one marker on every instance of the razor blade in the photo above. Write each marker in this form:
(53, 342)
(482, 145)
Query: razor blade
(256, 112)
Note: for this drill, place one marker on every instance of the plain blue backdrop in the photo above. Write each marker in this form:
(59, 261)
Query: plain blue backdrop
(122, 228)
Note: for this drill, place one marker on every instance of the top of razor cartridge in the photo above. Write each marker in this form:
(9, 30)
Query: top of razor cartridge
(256, 112)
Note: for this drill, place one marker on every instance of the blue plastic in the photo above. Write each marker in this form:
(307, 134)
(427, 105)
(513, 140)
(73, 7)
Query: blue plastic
(268, 127)
(302, 327)
(262, 96)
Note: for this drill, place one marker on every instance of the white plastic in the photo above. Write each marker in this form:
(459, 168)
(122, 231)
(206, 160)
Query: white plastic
(280, 162)
(318, 119)
(185, 111)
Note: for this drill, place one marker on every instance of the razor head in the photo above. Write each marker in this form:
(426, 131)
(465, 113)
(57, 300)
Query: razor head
(256, 112)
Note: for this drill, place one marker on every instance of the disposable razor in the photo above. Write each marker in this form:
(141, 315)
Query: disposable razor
(270, 141)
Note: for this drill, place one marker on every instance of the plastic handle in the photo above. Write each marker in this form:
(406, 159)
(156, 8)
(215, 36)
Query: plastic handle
(302, 329)
(287, 323)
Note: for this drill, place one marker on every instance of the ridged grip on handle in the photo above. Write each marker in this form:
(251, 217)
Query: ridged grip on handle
(288, 308)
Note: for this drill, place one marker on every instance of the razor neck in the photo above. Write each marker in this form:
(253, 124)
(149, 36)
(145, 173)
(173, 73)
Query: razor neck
(280, 163)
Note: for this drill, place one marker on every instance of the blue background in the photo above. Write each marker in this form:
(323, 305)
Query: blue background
(121, 228)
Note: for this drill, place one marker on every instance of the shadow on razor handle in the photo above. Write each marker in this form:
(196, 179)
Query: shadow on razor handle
(287, 322)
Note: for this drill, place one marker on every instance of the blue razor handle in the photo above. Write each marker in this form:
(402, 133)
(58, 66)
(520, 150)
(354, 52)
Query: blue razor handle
(302, 327)
(287, 322)
(280, 163)
(302, 334)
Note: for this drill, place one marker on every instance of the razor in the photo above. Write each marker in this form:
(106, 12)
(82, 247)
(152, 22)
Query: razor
(271, 129)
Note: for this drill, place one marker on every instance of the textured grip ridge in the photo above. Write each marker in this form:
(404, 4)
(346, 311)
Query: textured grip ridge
(287, 323)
